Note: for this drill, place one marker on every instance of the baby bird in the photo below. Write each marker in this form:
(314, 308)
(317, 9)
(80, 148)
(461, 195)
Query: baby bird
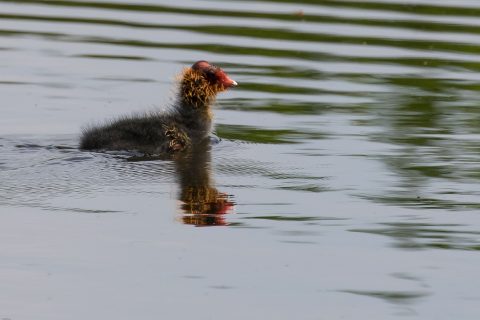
(157, 133)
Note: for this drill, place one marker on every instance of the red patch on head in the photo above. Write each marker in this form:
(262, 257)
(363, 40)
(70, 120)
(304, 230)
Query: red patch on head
(201, 65)
(214, 74)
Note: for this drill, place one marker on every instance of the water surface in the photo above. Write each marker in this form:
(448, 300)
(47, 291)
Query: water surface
(345, 184)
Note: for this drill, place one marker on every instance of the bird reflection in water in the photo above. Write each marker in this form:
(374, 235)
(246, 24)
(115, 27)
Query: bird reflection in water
(201, 204)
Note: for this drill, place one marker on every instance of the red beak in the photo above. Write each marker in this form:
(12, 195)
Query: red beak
(226, 81)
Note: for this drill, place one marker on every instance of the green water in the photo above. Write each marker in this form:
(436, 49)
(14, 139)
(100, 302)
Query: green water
(345, 184)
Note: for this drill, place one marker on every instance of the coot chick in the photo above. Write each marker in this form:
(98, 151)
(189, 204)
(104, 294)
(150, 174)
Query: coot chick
(189, 120)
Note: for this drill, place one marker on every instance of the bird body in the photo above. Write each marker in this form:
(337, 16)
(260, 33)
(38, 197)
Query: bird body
(188, 121)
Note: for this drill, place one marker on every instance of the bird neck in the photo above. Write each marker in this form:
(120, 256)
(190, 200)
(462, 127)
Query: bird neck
(195, 97)
(196, 92)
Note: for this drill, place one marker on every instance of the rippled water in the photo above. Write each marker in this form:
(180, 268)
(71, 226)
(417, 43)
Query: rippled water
(345, 186)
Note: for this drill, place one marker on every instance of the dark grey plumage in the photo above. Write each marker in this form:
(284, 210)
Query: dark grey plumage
(147, 133)
(188, 121)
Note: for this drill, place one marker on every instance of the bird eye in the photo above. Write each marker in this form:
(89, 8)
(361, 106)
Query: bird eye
(210, 74)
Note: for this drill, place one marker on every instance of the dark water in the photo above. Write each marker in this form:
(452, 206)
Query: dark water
(345, 186)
